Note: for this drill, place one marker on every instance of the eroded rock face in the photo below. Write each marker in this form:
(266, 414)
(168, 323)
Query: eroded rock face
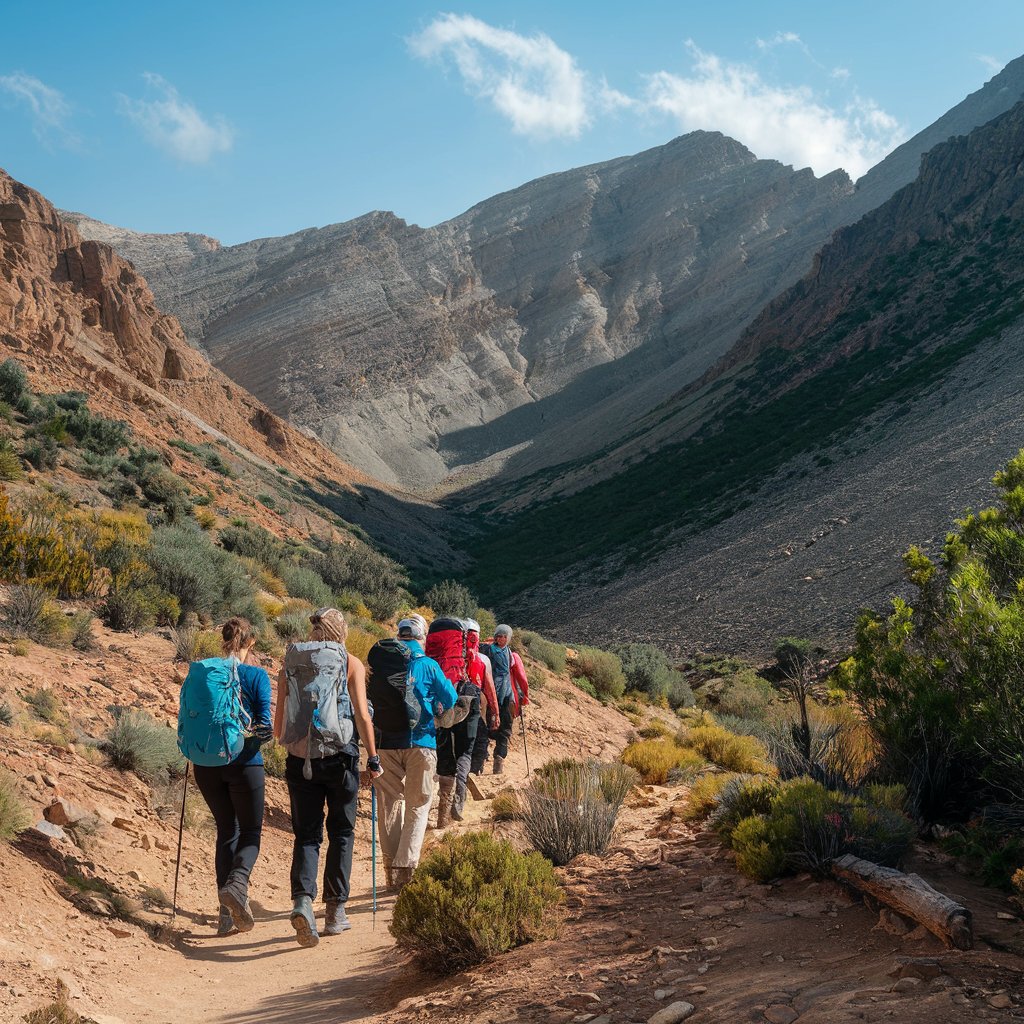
(414, 351)
(60, 292)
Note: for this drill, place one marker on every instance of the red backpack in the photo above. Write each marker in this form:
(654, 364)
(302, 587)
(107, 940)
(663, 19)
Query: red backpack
(446, 644)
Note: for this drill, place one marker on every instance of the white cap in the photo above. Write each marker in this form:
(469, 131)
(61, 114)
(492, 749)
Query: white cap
(413, 628)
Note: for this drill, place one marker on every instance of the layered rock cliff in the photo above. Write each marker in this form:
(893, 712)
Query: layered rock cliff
(415, 351)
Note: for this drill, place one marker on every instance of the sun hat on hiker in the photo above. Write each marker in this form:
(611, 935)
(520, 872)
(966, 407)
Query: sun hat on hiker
(410, 629)
(472, 626)
(328, 624)
(416, 617)
(503, 630)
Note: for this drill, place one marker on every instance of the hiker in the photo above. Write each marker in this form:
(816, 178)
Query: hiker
(321, 716)
(407, 742)
(479, 669)
(447, 643)
(234, 791)
(511, 687)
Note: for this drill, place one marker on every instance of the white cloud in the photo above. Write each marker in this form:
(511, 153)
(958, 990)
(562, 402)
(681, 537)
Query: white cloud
(174, 125)
(842, 74)
(529, 79)
(787, 123)
(46, 106)
(994, 64)
(780, 39)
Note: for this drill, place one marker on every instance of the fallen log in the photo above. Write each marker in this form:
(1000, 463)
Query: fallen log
(909, 895)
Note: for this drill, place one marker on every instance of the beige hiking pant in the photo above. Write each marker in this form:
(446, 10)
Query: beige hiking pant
(405, 791)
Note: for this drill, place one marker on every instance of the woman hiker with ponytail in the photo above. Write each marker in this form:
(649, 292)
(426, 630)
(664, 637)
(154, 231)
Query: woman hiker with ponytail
(234, 792)
(321, 715)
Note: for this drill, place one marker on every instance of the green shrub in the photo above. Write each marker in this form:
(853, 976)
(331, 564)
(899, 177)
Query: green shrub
(6, 713)
(451, 598)
(727, 750)
(82, 638)
(506, 806)
(806, 826)
(648, 670)
(194, 644)
(584, 684)
(703, 795)
(13, 381)
(14, 811)
(380, 580)
(307, 585)
(41, 453)
(44, 705)
(97, 433)
(759, 854)
(471, 899)
(603, 669)
(204, 578)
(654, 759)
(247, 540)
(743, 796)
(746, 695)
(551, 654)
(989, 851)
(570, 808)
(488, 623)
(10, 464)
(292, 626)
(30, 613)
(656, 730)
(135, 743)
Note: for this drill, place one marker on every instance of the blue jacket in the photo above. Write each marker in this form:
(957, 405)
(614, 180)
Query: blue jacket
(256, 701)
(432, 689)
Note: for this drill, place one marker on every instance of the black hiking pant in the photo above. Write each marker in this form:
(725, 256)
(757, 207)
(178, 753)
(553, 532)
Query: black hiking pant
(481, 746)
(335, 784)
(504, 731)
(235, 795)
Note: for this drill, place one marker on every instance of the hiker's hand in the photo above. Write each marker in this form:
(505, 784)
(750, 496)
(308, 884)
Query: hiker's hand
(371, 774)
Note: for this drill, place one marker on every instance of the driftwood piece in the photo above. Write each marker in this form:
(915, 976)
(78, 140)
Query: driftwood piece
(909, 895)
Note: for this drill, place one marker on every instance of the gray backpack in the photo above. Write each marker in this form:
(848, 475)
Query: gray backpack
(318, 717)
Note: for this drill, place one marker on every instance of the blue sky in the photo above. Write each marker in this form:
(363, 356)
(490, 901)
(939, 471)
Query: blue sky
(246, 120)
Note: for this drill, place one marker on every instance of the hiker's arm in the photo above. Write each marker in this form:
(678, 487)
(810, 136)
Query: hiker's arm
(264, 696)
(519, 673)
(361, 714)
(491, 696)
(444, 692)
(282, 689)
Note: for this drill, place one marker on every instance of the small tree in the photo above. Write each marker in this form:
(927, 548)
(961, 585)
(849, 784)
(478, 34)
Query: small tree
(797, 663)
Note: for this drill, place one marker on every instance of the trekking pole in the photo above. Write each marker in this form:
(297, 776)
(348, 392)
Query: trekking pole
(526, 751)
(181, 830)
(373, 853)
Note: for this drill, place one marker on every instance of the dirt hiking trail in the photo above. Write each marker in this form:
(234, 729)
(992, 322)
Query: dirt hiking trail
(663, 917)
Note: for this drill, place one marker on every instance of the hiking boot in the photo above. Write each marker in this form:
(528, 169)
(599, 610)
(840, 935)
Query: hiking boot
(336, 920)
(304, 922)
(225, 925)
(403, 876)
(499, 764)
(444, 805)
(235, 897)
(458, 802)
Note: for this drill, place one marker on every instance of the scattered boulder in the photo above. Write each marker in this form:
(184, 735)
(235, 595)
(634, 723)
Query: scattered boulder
(780, 1014)
(674, 1013)
(63, 812)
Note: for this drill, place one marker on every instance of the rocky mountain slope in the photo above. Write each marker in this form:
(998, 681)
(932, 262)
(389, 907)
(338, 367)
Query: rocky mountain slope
(860, 412)
(414, 351)
(535, 328)
(79, 316)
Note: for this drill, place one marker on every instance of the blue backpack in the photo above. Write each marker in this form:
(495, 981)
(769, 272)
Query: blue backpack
(212, 723)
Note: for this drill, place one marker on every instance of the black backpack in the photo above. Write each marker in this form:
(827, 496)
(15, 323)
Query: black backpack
(396, 708)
